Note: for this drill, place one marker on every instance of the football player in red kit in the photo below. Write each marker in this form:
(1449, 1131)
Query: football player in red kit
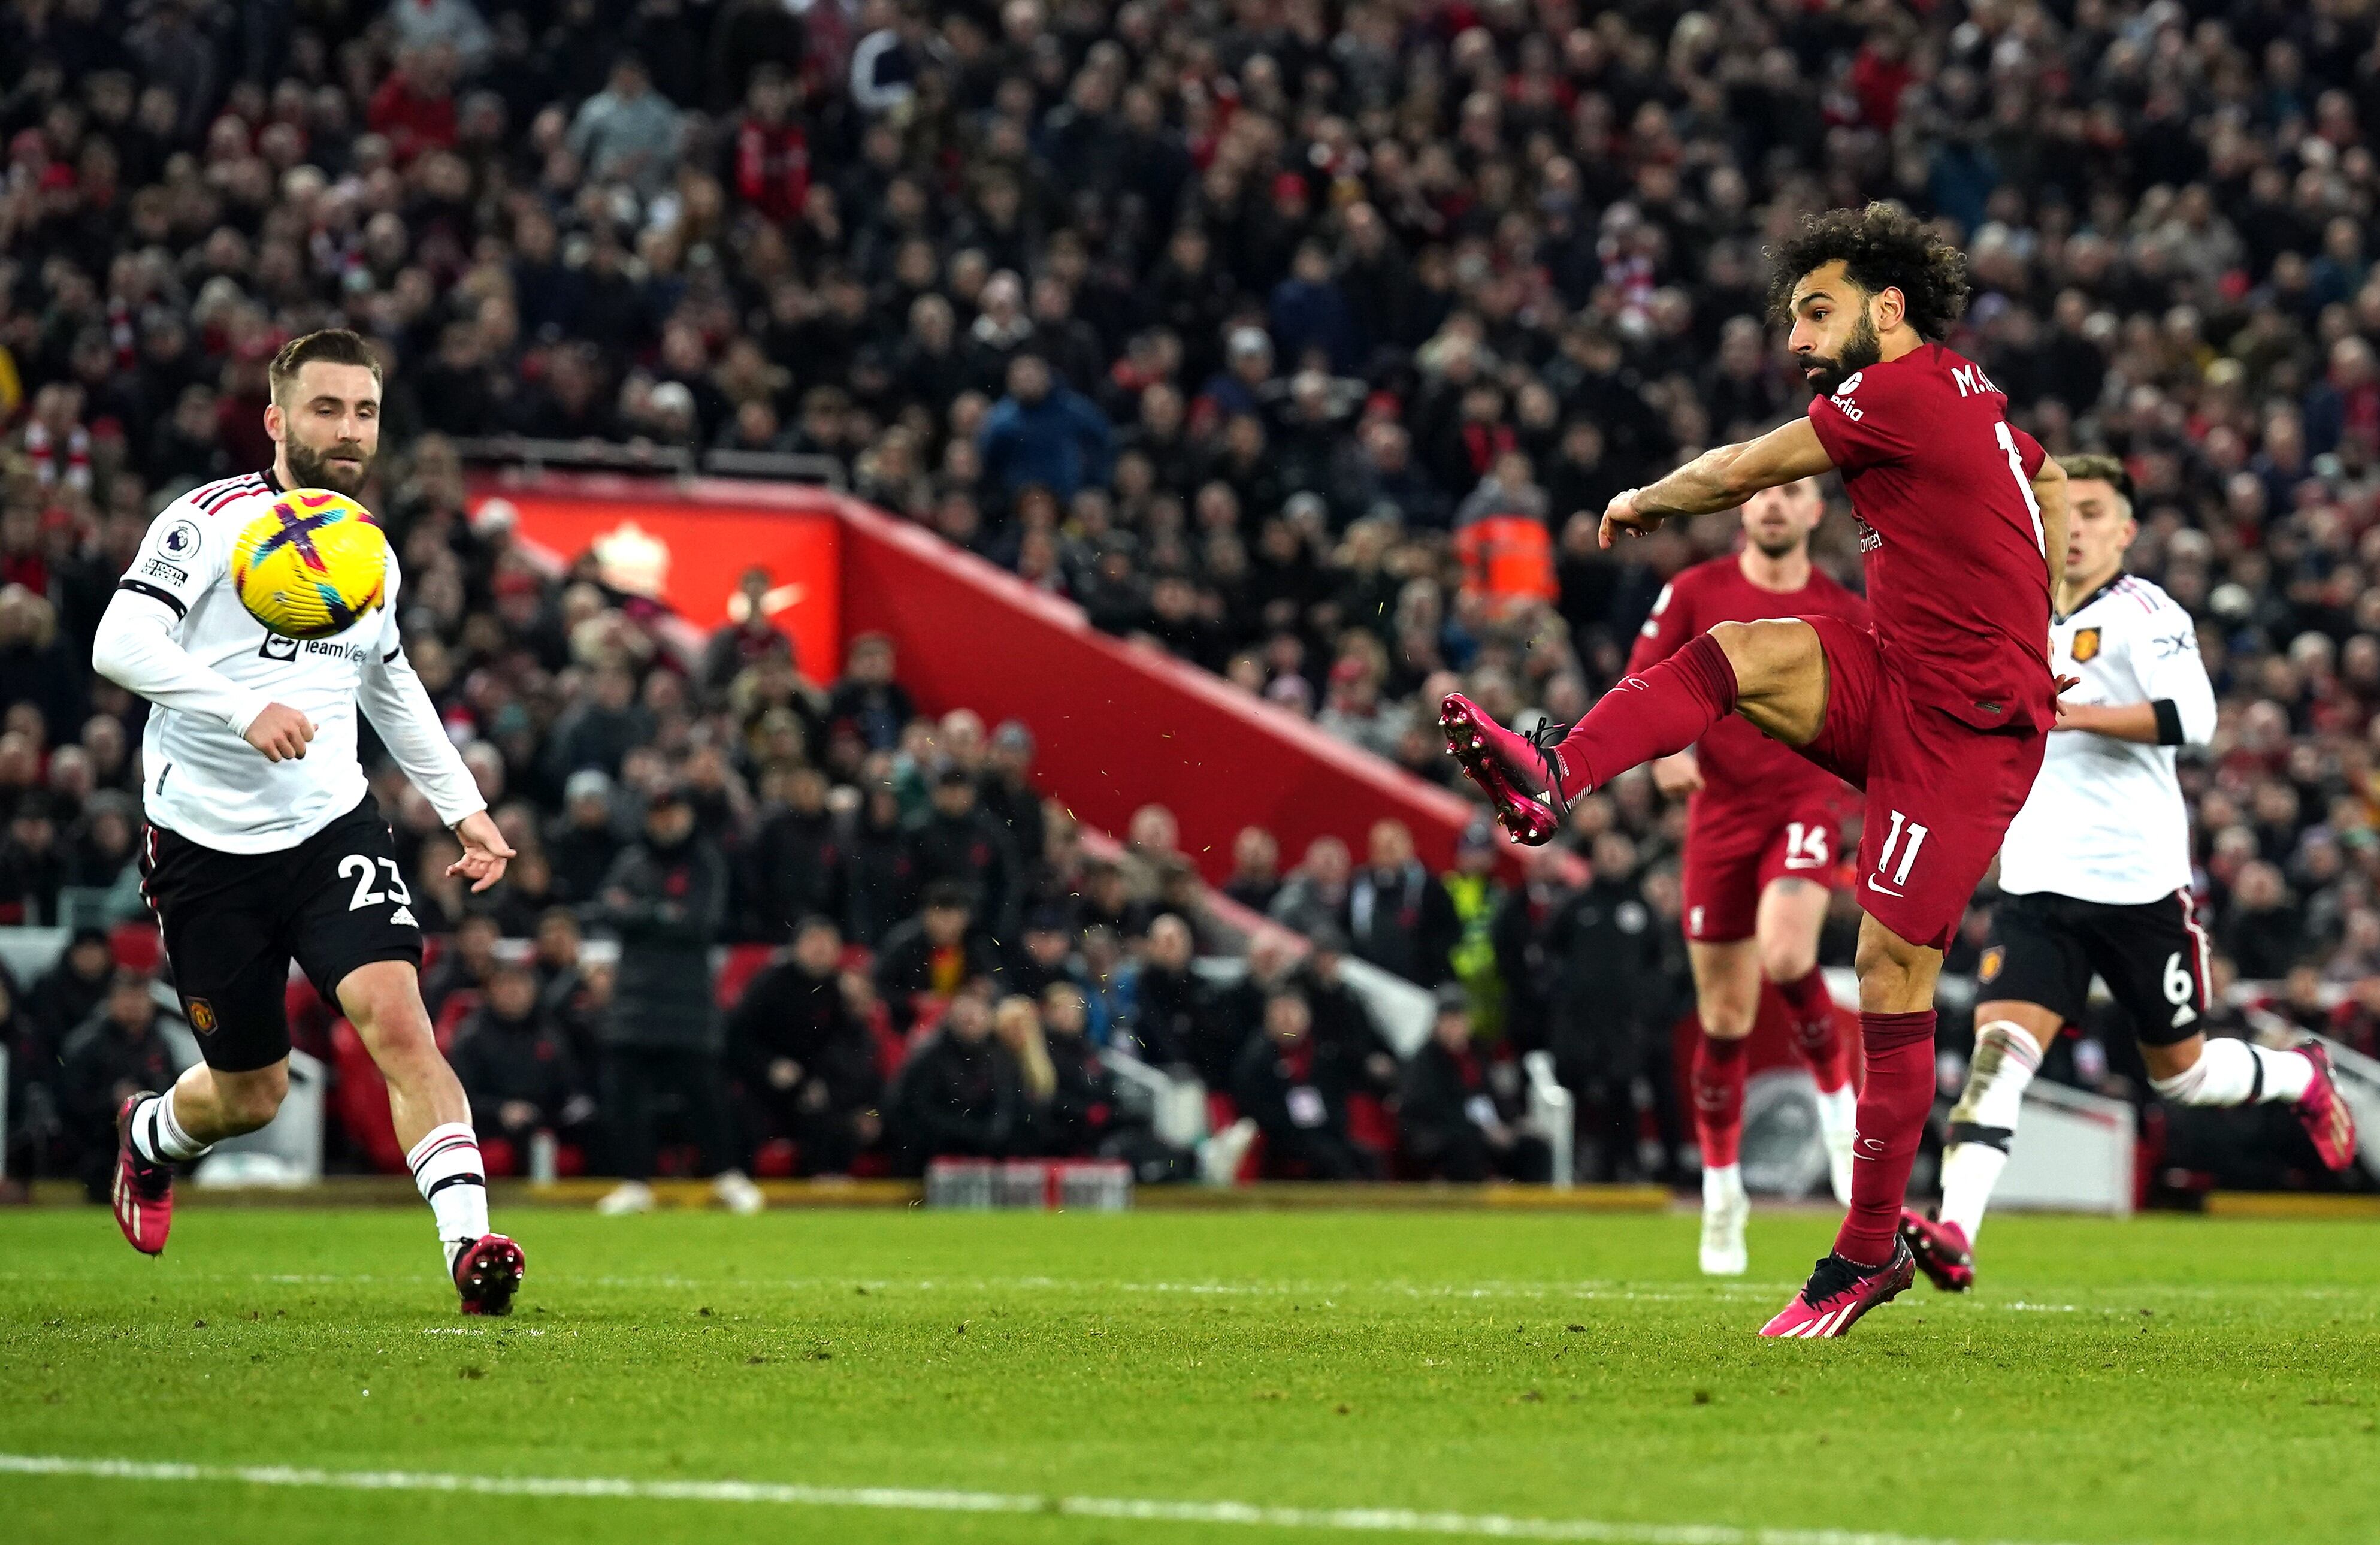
(1938, 714)
(1761, 824)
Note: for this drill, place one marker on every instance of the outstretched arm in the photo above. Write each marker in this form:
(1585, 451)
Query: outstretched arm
(399, 708)
(1720, 479)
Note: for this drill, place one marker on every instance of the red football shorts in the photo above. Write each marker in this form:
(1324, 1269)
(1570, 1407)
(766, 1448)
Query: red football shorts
(1940, 794)
(1734, 850)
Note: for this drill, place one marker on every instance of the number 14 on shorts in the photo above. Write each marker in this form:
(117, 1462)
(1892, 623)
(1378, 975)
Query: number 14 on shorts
(1898, 877)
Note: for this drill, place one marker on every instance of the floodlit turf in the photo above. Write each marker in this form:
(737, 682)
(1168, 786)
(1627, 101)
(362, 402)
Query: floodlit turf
(2164, 1379)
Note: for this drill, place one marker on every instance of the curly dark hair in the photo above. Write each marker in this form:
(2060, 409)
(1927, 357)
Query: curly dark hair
(1882, 246)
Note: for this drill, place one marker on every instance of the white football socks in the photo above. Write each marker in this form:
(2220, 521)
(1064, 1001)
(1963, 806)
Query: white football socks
(447, 1171)
(2232, 1072)
(158, 1138)
(1984, 1123)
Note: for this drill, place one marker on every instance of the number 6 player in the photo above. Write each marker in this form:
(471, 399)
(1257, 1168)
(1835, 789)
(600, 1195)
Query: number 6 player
(1760, 858)
(264, 843)
(2096, 876)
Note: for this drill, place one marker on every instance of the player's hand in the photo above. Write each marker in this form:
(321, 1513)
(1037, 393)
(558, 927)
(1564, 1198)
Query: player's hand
(1678, 775)
(2070, 715)
(1622, 515)
(280, 732)
(485, 852)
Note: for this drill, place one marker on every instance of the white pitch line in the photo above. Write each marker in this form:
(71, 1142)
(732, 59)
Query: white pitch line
(1353, 1520)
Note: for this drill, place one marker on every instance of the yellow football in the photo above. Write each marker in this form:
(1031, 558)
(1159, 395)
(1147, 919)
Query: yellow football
(310, 566)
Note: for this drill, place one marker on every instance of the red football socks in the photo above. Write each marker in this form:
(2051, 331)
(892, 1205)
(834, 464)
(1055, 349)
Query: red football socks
(1811, 1009)
(1664, 710)
(1719, 1099)
(1892, 1108)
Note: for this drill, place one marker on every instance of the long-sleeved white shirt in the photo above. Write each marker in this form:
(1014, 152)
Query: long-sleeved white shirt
(176, 634)
(2105, 821)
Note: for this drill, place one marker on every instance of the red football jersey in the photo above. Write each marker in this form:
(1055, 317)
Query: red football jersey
(1739, 763)
(1942, 485)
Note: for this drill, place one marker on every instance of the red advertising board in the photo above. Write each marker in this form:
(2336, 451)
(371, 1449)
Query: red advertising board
(693, 554)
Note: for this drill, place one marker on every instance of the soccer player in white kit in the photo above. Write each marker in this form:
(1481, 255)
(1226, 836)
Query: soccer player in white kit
(265, 844)
(2096, 879)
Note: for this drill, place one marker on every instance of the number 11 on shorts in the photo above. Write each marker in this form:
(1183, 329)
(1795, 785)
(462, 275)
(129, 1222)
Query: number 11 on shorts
(1917, 833)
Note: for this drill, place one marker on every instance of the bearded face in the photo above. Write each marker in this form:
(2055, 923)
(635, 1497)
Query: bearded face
(1826, 374)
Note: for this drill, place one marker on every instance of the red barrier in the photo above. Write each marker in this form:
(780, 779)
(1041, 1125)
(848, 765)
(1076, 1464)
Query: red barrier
(1119, 725)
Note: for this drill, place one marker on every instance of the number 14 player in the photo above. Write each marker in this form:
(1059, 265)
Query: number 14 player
(264, 842)
(1759, 859)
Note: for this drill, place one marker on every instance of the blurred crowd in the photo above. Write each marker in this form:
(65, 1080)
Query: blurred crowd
(1293, 338)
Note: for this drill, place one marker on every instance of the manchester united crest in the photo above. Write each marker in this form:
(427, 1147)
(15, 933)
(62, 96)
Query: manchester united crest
(202, 1016)
(1989, 968)
(2086, 646)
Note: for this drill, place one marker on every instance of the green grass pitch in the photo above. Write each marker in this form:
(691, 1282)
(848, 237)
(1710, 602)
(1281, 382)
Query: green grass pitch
(2166, 1380)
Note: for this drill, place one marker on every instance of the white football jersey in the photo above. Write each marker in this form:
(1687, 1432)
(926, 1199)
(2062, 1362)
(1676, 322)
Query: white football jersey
(200, 779)
(2105, 821)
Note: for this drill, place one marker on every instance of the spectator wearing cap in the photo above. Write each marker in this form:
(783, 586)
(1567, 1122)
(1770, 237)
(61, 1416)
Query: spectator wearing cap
(1243, 387)
(1459, 1120)
(33, 864)
(73, 986)
(1476, 896)
(1006, 794)
(960, 842)
(117, 1052)
(806, 1062)
(518, 1070)
(1043, 432)
(1296, 1093)
(1398, 915)
(665, 900)
(582, 844)
(925, 961)
(1044, 955)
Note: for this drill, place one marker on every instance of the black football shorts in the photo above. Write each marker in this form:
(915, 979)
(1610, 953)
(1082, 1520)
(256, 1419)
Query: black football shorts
(233, 922)
(2044, 949)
